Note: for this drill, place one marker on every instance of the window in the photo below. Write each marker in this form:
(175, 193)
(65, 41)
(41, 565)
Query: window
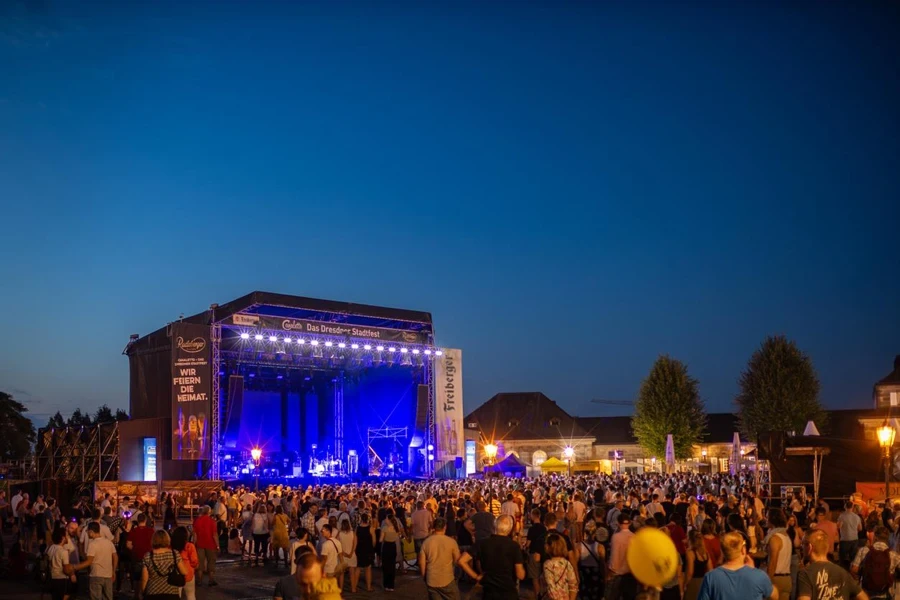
(538, 458)
(895, 398)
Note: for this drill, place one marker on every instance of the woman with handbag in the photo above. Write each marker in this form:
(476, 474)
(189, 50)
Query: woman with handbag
(163, 572)
(188, 553)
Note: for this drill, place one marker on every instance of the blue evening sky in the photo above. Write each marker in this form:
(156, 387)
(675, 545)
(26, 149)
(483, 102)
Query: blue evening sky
(570, 188)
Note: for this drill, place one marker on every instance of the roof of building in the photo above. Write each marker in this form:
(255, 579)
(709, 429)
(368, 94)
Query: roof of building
(525, 416)
(892, 378)
(611, 431)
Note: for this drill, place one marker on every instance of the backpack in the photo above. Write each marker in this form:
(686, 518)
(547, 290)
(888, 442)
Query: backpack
(876, 575)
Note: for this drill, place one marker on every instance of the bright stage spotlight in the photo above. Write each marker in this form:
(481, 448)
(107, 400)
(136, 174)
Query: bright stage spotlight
(380, 348)
(245, 336)
(438, 353)
(367, 347)
(354, 346)
(257, 337)
(328, 344)
(315, 342)
(415, 350)
(301, 342)
(342, 345)
(404, 350)
(392, 349)
(287, 340)
(428, 352)
(273, 338)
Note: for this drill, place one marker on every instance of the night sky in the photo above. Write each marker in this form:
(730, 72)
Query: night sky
(570, 189)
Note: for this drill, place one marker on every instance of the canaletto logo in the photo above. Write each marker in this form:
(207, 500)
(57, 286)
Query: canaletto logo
(292, 325)
(410, 337)
(191, 346)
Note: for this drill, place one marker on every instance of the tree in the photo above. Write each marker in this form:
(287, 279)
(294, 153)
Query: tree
(104, 414)
(121, 415)
(669, 402)
(779, 390)
(79, 419)
(56, 421)
(16, 430)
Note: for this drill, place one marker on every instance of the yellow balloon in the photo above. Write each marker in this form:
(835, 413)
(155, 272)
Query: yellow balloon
(652, 557)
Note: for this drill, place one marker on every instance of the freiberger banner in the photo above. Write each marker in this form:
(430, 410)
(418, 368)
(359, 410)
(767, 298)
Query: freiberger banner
(448, 417)
(299, 326)
(191, 391)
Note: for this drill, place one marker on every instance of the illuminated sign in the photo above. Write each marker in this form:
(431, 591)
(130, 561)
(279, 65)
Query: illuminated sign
(470, 457)
(149, 459)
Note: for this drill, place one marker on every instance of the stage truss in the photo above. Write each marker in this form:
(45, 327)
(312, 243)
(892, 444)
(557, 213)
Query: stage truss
(395, 434)
(78, 453)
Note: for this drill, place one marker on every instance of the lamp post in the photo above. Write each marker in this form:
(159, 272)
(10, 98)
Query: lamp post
(256, 453)
(886, 435)
(490, 451)
(569, 452)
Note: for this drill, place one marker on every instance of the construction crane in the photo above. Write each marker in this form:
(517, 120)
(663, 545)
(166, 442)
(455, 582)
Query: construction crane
(613, 402)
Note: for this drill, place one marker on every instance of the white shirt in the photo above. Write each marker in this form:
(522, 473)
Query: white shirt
(102, 550)
(331, 548)
(104, 504)
(248, 499)
(59, 557)
(105, 533)
(509, 508)
(14, 503)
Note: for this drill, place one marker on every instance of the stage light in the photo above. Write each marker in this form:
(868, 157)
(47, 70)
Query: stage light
(404, 350)
(367, 347)
(428, 352)
(287, 340)
(430, 447)
(257, 337)
(342, 345)
(328, 344)
(256, 453)
(273, 338)
(314, 342)
(354, 346)
(415, 350)
(301, 341)
(245, 336)
(392, 349)
(438, 353)
(380, 348)
(431, 457)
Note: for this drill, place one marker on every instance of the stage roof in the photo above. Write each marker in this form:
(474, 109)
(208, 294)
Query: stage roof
(295, 307)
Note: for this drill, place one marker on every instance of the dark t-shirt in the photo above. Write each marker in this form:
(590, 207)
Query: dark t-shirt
(537, 535)
(499, 556)
(287, 588)
(826, 581)
(484, 525)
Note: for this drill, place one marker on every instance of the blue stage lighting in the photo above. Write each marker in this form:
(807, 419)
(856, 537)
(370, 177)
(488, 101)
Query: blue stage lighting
(245, 336)
(258, 337)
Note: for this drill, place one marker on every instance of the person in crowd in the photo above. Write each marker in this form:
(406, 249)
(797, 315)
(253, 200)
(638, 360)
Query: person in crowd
(260, 529)
(156, 567)
(190, 558)
(307, 582)
(779, 550)
(207, 543)
(281, 543)
(391, 533)
(62, 572)
(365, 548)
(875, 567)
(849, 527)
(735, 579)
(421, 519)
(697, 564)
(711, 541)
(824, 523)
(618, 562)
(333, 553)
(437, 560)
(821, 579)
(347, 538)
(102, 560)
(501, 563)
(560, 581)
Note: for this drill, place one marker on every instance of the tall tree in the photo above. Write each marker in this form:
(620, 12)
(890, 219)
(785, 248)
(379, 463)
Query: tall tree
(104, 414)
(79, 419)
(779, 390)
(56, 421)
(669, 402)
(16, 430)
(121, 415)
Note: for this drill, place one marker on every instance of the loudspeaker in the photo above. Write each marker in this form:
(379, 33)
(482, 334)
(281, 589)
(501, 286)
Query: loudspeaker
(771, 445)
(421, 408)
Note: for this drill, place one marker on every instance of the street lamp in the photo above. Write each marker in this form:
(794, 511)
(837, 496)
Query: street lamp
(490, 450)
(569, 452)
(256, 453)
(886, 435)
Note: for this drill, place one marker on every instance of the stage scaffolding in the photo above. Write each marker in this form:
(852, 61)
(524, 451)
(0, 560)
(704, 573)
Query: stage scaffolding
(82, 454)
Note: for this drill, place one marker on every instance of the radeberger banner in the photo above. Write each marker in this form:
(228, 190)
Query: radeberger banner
(448, 417)
(191, 391)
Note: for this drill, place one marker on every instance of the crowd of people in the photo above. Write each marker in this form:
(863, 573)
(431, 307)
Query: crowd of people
(554, 537)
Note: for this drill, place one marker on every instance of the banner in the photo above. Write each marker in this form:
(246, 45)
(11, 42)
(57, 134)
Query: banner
(299, 326)
(136, 491)
(875, 491)
(448, 417)
(191, 391)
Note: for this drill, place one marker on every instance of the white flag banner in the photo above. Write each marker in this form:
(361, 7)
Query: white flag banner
(448, 414)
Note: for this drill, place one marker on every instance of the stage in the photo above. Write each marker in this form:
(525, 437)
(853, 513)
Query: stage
(323, 391)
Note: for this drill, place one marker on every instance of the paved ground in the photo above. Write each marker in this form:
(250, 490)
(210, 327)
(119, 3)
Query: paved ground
(238, 581)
